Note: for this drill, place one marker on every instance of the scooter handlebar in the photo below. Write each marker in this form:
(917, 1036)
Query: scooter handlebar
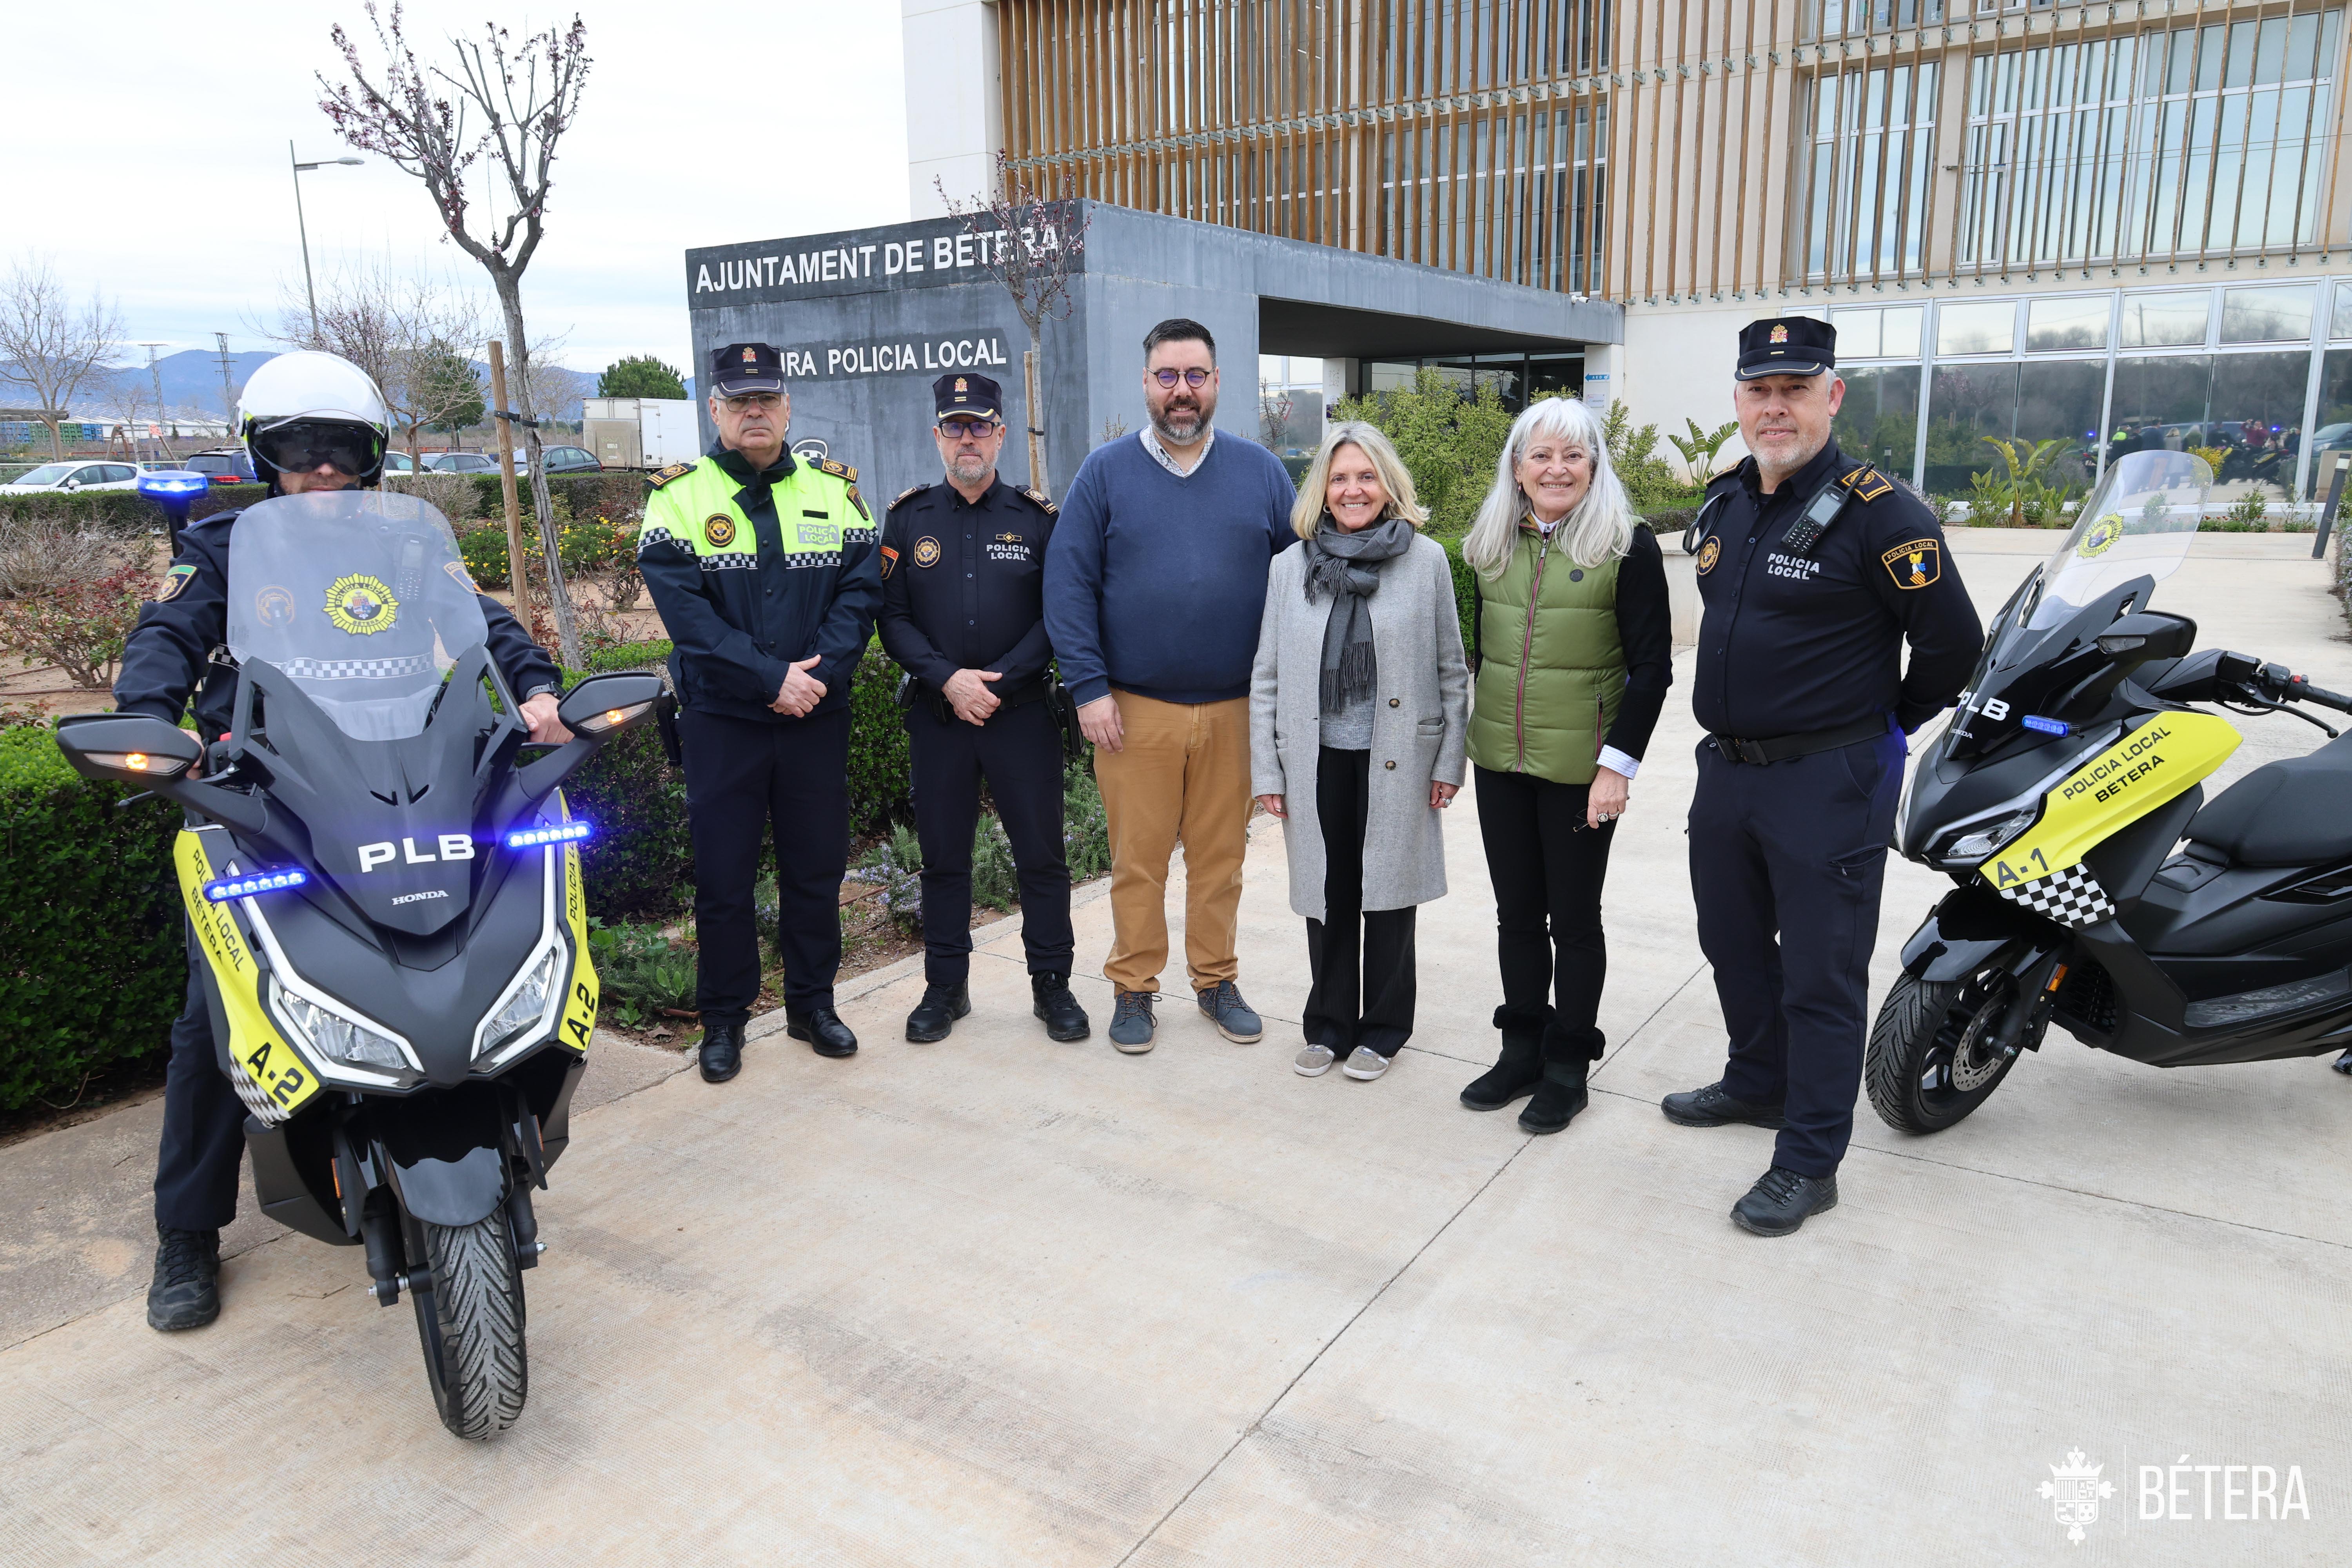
(2276, 683)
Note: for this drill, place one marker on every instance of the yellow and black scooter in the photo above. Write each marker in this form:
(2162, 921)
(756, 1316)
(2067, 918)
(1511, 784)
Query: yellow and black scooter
(2096, 887)
(388, 915)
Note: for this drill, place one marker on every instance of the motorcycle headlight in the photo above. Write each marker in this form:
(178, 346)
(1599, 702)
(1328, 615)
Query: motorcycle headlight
(524, 1007)
(332, 1035)
(1970, 843)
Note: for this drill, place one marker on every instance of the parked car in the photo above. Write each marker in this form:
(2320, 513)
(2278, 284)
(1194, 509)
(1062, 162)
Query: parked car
(462, 463)
(223, 466)
(76, 474)
(398, 463)
(572, 461)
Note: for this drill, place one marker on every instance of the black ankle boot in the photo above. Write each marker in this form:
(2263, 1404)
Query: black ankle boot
(1517, 1071)
(1568, 1056)
(185, 1291)
(936, 1014)
(1064, 1019)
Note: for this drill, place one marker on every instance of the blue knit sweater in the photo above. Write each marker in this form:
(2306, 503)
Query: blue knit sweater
(1156, 585)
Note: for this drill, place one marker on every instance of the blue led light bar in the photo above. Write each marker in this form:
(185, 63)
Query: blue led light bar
(2048, 726)
(559, 833)
(245, 887)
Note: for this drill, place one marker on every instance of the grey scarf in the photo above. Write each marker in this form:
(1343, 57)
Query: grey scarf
(1340, 565)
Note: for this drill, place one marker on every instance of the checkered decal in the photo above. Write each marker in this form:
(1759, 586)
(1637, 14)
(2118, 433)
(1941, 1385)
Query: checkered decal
(2071, 896)
(655, 535)
(733, 561)
(358, 668)
(857, 536)
(265, 1110)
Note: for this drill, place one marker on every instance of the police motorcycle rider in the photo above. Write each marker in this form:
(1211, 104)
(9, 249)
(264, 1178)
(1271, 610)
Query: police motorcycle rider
(310, 422)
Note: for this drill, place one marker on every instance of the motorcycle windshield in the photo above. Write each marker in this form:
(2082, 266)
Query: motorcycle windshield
(360, 597)
(2138, 522)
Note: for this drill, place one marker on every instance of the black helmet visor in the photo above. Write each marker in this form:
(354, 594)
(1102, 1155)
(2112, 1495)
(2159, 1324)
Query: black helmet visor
(300, 446)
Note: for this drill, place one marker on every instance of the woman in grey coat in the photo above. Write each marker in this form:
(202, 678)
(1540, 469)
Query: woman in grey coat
(1360, 706)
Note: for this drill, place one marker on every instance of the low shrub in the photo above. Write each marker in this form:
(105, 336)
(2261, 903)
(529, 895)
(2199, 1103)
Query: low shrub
(78, 626)
(639, 971)
(485, 553)
(120, 511)
(38, 554)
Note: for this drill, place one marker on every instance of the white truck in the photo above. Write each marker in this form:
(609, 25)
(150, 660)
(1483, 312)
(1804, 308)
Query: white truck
(641, 432)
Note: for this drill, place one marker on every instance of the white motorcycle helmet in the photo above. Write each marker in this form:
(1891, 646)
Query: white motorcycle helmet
(303, 409)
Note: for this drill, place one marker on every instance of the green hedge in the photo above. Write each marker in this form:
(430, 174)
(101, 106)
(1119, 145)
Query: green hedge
(125, 512)
(93, 962)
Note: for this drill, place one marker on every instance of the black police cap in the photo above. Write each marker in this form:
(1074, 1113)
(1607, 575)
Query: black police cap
(1786, 346)
(739, 368)
(972, 396)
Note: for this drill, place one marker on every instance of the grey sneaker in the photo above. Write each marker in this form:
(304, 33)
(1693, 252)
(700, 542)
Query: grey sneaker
(1130, 1022)
(1224, 1005)
(1365, 1063)
(1313, 1062)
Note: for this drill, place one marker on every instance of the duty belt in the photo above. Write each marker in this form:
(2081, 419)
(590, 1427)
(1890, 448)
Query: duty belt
(1782, 748)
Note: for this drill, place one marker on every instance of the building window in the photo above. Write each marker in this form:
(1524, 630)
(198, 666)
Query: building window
(2268, 315)
(2055, 326)
(1977, 327)
(2195, 140)
(1878, 333)
(1874, 147)
(2165, 321)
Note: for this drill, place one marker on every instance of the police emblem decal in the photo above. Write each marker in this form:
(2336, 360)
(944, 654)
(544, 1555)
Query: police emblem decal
(719, 529)
(457, 574)
(926, 551)
(174, 581)
(1914, 565)
(2103, 534)
(959, 385)
(889, 559)
(1780, 334)
(1708, 554)
(273, 606)
(360, 605)
(751, 356)
(2074, 1489)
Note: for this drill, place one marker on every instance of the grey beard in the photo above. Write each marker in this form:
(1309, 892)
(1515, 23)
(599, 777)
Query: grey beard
(1776, 472)
(969, 472)
(1182, 436)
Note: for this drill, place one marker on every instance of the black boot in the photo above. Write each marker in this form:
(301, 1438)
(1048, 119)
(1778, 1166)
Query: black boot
(185, 1292)
(1517, 1072)
(936, 1014)
(722, 1049)
(822, 1027)
(1568, 1056)
(1064, 1019)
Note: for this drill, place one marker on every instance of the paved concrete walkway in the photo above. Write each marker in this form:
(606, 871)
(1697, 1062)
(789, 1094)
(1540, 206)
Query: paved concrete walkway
(1001, 1301)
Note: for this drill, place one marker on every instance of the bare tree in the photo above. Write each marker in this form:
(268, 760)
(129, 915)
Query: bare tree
(50, 346)
(1275, 408)
(525, 94)
(1031, 241)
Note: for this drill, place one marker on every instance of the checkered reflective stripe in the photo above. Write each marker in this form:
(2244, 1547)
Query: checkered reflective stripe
(734, 561)
(655, 535)
(268, 1112)
(2071, 896)
(358, 668)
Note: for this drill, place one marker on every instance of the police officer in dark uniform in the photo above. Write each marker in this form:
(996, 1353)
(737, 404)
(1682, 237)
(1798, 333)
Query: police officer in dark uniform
(763, 567)
(311, 422)
(963, 612)
(1813, 570)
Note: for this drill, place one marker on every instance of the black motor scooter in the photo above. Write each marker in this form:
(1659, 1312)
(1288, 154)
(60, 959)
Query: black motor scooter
(387, 903)
(2096, 889)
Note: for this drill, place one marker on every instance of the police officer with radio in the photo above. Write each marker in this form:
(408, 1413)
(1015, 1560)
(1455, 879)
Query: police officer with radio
(963, 612)
(312, 423)
(762, 566)
(1813, 570)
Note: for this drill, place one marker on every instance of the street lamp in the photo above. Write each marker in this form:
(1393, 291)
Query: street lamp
(304, 229)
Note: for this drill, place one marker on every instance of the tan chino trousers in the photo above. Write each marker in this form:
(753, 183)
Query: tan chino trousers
(1184, 773)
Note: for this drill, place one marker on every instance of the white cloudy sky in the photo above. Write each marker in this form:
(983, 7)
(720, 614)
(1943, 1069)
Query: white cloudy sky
(153, 139)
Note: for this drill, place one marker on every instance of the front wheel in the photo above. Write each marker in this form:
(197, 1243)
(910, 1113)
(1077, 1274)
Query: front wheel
(470, 1319)
(1931, 1058)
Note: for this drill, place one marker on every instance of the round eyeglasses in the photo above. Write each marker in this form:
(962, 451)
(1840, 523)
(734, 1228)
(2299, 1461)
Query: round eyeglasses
(1194, 378)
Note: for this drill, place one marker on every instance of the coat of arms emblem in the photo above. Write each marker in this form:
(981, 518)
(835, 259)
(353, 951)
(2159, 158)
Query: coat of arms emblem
(2074, 1489)
(1780, 334)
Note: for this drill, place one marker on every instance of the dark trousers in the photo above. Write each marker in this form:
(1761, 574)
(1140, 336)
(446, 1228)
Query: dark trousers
(1797, 849)
(203, 1143)
(1019, 752)
(742, 776)
(1547, 868)
(1363, 985)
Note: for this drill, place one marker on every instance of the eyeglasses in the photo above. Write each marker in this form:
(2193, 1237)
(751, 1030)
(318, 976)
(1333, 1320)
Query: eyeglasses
(303, 445)
(966, 430)
(1194, 378)
(750, 400)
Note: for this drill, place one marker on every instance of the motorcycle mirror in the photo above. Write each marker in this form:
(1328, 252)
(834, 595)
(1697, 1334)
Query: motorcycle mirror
(604, 703)
(127, 748)
(2136, 640)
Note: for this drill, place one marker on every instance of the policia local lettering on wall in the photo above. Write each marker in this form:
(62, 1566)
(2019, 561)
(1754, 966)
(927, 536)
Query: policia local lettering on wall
(894, 356)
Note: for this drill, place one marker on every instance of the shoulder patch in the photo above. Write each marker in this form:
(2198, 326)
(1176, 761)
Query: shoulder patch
(661, 477)
(1917, 564)
(1038, 495)
(909, 491)
(838, 470)
(1867, 483)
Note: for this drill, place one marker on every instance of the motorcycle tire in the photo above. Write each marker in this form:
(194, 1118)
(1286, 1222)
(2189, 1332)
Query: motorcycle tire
(470, 1320)
(1922, 1067)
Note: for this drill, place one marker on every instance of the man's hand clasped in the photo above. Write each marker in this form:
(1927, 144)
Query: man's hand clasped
(800, 691)
(968, 693)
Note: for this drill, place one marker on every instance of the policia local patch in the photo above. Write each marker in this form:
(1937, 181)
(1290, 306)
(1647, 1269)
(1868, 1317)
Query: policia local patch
(1914, 565)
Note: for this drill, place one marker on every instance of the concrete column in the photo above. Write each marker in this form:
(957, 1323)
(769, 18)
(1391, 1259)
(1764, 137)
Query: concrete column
(955, 102)
(1339, 382)
(1604, 374)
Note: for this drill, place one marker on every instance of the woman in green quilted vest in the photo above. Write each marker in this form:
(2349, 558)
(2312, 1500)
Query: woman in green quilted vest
(1572, 656)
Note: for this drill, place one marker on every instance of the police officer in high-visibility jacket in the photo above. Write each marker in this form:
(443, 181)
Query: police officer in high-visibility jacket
(764, 568)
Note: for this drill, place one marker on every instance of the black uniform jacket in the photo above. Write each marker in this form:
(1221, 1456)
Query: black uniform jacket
(963, 584)
(733, 634)
(1792, 643)
(169, 651)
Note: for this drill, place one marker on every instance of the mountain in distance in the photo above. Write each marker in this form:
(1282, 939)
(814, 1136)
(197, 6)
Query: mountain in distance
(191, 383)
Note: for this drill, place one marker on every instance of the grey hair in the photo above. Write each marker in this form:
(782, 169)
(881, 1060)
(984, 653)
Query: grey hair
(1601, 526)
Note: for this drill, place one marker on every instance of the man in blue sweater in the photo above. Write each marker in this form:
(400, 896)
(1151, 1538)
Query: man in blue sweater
(1155, 583)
